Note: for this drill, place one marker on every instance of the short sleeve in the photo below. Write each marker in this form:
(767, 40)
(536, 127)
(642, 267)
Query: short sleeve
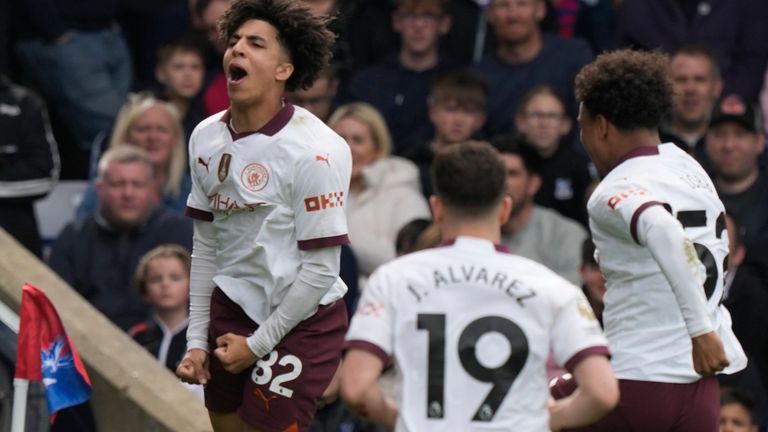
(576, 333)
(617, 206)
(321, 185)
(371, 328)
(198, 205)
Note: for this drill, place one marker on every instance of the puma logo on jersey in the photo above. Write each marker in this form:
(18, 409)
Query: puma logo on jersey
(264, 398)
(323, 159)
(204, 163)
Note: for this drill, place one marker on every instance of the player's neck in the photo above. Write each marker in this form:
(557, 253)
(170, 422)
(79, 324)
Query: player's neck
(486, 228)
(248, 117)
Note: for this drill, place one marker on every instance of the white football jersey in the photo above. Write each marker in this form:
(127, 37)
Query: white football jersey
(270, 194)
(643, 323)
(470, 329)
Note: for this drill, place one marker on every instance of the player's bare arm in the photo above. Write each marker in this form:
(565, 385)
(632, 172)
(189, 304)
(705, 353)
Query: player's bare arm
(596, 395)
(360, 371)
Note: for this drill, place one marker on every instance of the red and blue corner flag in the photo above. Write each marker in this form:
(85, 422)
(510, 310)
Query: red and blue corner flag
(45, 353)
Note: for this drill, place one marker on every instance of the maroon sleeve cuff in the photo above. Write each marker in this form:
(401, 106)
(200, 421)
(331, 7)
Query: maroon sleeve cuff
(199, 214)
(323, 242)
(386, 360)
(581, 355)
(638, 212)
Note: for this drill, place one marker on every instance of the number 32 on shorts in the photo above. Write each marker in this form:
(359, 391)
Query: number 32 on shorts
(263, 374)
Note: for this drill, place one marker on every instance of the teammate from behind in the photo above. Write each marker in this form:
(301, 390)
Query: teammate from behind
(470, 326)
(659, 229)
(268, 186)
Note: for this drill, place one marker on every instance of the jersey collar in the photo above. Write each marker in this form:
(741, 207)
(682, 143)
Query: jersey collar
(275, 125)
(473, 240)
(638, 152)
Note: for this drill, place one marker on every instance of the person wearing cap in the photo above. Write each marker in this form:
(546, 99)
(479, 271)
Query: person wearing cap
(735, 145)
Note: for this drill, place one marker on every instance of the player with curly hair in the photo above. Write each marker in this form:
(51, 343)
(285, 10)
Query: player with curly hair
(269, 181)
(658, 226)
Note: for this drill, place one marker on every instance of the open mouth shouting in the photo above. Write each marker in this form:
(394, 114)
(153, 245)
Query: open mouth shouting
(236, 74)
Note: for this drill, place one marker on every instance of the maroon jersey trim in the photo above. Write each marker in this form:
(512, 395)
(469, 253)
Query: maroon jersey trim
(638, 212)
(323, 242)
(275, 125)
(369, 347)
(199, 214)
(581, 355)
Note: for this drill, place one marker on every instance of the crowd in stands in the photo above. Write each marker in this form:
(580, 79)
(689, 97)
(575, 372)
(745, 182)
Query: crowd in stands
(109, 91)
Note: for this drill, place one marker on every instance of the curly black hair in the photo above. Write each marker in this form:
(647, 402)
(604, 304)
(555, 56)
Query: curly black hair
(631, 89)
(469, 177)
(305, 37)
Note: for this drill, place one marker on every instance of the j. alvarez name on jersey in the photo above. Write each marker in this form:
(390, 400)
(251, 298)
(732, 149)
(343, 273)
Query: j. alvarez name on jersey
(470, 274)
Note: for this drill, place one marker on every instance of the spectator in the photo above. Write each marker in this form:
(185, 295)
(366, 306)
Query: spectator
(457, 112)
(697, 85)
(532, 231)
(524, 59)
(566, 175)
(162, 279)
(408, 236)
(215, 95)
(734, 30)
(97, 256)
(384, 192)
(29, 162)
(318, 98)
(734, 144)
(736, 411)
(399, 86)
(180, 70)
(74, 53)
(153, 126)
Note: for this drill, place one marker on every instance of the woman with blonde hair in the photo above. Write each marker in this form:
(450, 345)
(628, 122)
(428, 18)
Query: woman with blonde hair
(154, 126)
(385, 193)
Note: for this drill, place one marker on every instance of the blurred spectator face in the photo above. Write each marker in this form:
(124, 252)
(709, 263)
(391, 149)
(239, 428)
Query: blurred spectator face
(420, 27)
(127, 193)
(594, 281)
(735, 418)
(210, 20)
(316, 99)
(182, 74)
(696, 88)
(733, 150)
(167, 283)
(544, 122)
(521, 184)
(455, 123)
(320, 7)
(361, 144)
(516, 21)
(154, 133)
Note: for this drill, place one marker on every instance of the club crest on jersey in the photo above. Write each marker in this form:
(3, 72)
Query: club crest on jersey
(254, 177)
(223, 170)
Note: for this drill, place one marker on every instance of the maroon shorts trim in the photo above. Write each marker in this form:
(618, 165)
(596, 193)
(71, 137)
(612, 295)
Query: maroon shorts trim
(655, 406)
(286, 387)
(198, 214)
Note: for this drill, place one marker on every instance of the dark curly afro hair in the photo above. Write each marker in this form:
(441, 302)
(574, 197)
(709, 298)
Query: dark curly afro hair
(305, 37)
(629, 88)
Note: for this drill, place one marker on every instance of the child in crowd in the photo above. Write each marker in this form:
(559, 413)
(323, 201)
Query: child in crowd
(457, 103)
(565, 174)
(162, 278)
(181, 69)
(736, 411)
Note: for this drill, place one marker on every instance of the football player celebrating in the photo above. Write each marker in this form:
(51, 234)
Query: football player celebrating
(269, 181)
(659, 229)
(470, 326)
